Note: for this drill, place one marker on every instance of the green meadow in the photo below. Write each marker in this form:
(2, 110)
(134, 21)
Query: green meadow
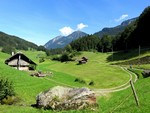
(97, 69)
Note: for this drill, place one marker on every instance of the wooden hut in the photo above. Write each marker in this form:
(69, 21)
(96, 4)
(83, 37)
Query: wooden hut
(83, 60)
(20, 62)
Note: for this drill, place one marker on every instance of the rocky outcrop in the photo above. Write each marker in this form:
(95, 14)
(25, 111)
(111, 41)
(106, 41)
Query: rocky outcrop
(62, 98)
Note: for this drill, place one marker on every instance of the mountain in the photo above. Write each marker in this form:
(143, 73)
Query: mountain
(15, 42)
(62, 41)
(136, 34)
(114, 30)
(55, 42)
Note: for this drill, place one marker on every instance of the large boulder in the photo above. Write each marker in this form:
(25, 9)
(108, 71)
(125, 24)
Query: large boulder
(63, 98)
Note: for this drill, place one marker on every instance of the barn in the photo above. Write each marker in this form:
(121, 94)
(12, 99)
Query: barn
(20, 62)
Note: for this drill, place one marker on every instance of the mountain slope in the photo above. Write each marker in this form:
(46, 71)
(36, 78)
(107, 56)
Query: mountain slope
(62, 41)
(16, 42)
(136, 34)
(114, 30)
(54, 43)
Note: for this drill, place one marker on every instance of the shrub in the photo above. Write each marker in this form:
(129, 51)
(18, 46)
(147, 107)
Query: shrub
(41, 60)
(56, 57)
(64, 57)
(77, 80)
(6, 88)
(91, 83)
(9, 100)
(80, 80)
(83, 82)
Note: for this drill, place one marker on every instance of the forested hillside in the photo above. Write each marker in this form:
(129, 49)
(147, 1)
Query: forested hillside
(114, 30)
(135, 34)
(86, 43)
(15, 42)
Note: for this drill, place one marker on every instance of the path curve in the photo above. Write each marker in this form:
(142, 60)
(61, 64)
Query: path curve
(119, 88)
(107, 90)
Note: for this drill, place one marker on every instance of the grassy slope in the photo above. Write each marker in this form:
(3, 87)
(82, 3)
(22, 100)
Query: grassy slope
(97, 69)
(28, 87)
(119, 103)
(25, 86)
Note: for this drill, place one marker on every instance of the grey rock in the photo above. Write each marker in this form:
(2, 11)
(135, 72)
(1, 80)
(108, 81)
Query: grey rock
(63, 98)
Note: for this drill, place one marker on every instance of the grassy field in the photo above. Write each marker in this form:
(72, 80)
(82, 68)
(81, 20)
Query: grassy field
(124, 102)
(97, 69)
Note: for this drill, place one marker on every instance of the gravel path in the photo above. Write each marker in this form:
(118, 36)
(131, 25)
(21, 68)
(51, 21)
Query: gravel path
(107, 90)
(118, 88)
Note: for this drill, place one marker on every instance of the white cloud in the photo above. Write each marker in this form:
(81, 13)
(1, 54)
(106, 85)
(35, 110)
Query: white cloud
(66, 31)
(81, 26)
(121, 18)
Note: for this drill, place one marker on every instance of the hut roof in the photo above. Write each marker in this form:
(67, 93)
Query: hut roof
(24, 60)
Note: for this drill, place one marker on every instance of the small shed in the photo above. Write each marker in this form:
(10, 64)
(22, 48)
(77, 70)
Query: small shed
(20, 62)
(83, 60)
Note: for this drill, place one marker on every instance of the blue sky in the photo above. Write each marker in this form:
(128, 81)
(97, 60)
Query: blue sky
(39, 21)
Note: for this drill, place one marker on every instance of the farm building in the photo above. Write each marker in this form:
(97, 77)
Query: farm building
(20, 62)
(83, 60)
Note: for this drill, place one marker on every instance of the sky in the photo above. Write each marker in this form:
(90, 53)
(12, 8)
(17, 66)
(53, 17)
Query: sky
(38, 21)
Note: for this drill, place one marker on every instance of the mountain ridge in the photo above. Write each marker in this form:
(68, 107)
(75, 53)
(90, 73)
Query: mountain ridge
(15, 42)
(114, 30)
(62, 41)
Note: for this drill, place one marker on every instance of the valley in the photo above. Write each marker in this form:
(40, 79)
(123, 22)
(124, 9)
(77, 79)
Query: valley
(105, 63)
(97, 69)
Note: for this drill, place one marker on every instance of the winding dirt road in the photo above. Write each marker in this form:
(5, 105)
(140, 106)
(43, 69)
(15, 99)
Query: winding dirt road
(121, 87)
(108, 90)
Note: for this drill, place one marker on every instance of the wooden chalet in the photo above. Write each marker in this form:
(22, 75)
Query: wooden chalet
(83, 60)
(20, 62)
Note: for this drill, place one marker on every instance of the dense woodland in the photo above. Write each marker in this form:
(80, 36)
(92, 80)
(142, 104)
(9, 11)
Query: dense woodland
(16, 42)
(135, 34)
(10, 43)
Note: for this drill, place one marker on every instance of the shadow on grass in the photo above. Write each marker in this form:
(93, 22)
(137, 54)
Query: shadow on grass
(124, 55)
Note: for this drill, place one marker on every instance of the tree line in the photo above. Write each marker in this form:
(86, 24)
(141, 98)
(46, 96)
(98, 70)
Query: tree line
(135, 34)
(10, 43)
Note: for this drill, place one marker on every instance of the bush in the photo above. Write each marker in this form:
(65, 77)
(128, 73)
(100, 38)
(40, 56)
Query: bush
(9, 100)
(91, 83)
(64, 57)
(56, 57)
(80, 80)
(6, 88)
(83, 82)
(41, 60)
(76, 80)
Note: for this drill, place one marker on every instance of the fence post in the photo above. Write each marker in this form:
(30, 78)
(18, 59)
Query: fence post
(134, 92)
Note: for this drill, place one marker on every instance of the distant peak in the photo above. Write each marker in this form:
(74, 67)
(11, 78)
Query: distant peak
(61, 41)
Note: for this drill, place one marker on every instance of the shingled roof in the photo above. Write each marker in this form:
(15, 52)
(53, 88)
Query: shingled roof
(19, 60)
